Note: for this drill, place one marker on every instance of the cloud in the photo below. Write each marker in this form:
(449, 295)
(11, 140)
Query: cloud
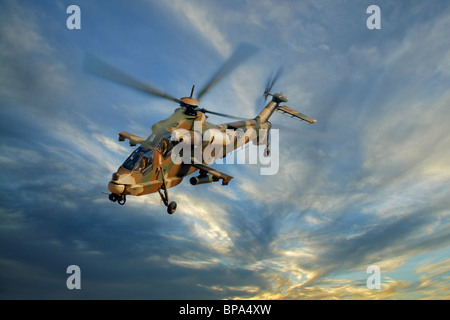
(200, 17)
(111, 144)
(308, 232)
(190, 263)
(28, 74)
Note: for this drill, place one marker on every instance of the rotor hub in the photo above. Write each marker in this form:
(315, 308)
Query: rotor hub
(190, 101)
(279, 97)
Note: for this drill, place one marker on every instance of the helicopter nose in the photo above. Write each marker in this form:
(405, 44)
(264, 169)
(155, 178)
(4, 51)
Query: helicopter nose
(116, 188)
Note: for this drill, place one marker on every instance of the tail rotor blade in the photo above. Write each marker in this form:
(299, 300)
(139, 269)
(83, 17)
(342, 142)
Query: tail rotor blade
(272, 80)
(275, 78)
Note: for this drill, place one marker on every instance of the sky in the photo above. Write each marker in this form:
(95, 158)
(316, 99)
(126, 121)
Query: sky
(368, 184)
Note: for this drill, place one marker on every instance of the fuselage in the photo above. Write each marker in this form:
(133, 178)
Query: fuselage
(151, 164)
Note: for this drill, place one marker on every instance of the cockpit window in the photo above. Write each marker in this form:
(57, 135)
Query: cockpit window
(134, 158)
(152, 137)
(142, 150)
(165, 145)
(131, 161)
(146, 163)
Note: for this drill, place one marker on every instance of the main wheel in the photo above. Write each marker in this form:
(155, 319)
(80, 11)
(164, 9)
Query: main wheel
(171, 207)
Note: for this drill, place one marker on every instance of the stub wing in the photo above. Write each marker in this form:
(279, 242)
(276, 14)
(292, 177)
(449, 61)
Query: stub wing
(296, 114)
(217, 175)
(134, 140)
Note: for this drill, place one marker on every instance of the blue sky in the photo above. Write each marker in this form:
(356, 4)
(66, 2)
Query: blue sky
(367, 184)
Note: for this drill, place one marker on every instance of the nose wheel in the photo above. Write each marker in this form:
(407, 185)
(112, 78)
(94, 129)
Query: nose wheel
(119, 198)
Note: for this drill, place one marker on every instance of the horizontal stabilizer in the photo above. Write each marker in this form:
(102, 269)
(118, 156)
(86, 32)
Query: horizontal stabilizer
(134, 140)
(296, 114)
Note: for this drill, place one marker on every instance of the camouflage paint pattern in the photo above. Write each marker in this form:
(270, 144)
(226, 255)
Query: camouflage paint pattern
(164, 174)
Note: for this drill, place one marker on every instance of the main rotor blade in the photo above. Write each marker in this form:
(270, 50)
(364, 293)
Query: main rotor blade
(98, 67)
(243, 52)
(222, 114)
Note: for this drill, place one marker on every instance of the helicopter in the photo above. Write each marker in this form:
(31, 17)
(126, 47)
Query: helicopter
(155, 166)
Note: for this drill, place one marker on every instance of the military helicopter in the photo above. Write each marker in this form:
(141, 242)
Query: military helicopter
(151, 167)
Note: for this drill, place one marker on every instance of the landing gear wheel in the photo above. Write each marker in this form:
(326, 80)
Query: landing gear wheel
(119, 198)
(114, 197)
(122, 199)
(171, 207)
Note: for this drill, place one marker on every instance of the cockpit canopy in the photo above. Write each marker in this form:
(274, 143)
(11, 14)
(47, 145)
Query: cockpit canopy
(141, 159)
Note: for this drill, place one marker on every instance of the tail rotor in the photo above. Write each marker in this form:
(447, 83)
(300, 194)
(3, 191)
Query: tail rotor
(271, 81)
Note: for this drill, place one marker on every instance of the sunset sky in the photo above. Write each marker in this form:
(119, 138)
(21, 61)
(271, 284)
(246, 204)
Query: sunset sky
(368, 184)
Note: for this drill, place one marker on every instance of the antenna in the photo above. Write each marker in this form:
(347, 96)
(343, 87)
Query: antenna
(192, 91)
